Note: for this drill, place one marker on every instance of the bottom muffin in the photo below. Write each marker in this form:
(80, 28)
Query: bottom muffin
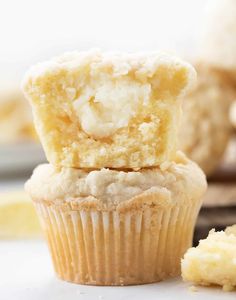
(110, 227)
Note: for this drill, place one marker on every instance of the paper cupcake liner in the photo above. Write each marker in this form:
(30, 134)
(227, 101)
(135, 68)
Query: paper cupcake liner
(117, 248)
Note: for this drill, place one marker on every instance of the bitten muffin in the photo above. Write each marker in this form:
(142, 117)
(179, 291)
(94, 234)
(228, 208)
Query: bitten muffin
(95, 110)
(213, 261)
(16, 122)
(111, 227)
(205, 129)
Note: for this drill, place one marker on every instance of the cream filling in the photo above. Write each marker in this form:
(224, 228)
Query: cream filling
(103, 108)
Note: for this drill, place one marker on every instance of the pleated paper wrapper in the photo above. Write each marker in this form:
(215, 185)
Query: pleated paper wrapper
(116, 247)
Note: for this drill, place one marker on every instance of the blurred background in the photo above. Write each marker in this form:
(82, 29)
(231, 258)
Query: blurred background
(34, 31)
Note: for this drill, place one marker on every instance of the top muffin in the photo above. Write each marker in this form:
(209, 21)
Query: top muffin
(95, 110)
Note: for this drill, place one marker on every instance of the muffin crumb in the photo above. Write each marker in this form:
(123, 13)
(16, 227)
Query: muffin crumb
(213, 261)
(193, 289)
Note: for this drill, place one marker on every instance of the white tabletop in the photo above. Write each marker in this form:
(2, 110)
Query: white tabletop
(26, 274)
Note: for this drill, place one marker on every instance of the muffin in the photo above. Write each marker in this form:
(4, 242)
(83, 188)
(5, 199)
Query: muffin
(117, 203)
(232, 114)
(205, 128)
(213, 261)
(16, 122)
(218, 42)
(95, 110)
(113, 227)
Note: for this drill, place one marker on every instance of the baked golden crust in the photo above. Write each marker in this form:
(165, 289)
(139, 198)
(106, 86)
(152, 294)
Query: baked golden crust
(95, 110)
(178, 182)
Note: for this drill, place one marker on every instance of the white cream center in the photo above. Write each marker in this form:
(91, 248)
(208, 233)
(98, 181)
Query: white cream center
(109, 105)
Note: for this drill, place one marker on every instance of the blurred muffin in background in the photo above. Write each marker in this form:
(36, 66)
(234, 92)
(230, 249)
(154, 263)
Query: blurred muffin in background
(218, 51)
(218, 41)
(232, 114)
(230, 155)
(16, 123)
(205, 129)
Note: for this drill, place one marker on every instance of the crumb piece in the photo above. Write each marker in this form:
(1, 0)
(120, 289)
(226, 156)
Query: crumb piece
(212, 262)
(193, 288)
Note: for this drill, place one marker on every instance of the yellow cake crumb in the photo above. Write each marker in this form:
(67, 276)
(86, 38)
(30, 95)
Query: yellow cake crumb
(193, 288)
(231, 230)
(95, 110)
(18, 218)
(213, 261)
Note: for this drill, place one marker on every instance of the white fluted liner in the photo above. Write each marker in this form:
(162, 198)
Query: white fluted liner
(114, 248)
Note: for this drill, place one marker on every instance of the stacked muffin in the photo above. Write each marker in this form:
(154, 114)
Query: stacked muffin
(117, 202)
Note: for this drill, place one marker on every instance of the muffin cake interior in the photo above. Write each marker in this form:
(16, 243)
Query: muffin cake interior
(212, 262)
(95, 110)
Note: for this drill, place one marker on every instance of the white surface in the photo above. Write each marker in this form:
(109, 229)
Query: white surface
(20, 157)
(26, 274)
